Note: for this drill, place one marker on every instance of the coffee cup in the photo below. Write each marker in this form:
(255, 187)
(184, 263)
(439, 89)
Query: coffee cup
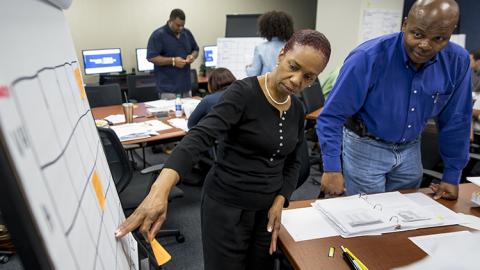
(128, 112)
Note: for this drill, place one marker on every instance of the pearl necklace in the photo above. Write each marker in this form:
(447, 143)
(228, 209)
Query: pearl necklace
(270, 96)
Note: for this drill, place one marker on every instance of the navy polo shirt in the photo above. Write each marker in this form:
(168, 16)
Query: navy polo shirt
(164, 42)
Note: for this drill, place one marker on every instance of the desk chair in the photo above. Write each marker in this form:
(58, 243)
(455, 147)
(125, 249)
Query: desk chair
(132, 191)
(141, 88)
(196, 91)
(312, 98)
(431, 159)
(103, 95)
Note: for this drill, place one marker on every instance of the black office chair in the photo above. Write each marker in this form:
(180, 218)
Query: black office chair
(103, 95)
(196, 91)
(142, 88)
(431, 159)
(304, 156)
(312, 98)
(132, 191)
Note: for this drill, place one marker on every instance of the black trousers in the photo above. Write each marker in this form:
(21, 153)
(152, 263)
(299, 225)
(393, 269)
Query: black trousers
(233, 238)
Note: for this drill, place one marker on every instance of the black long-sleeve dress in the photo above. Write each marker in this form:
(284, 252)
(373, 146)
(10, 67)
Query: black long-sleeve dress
(257, 156)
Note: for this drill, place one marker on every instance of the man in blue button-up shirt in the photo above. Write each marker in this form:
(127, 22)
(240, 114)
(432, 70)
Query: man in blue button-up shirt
(172, 48)
(389, 87)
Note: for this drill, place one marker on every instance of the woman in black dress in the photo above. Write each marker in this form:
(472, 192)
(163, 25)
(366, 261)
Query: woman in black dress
(261, 124)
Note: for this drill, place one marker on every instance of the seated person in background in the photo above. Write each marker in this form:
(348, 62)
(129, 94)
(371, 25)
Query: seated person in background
(276, 27)
(476, 115)
(218, 81)
(475, 66)
(261, 124)
(327, 85)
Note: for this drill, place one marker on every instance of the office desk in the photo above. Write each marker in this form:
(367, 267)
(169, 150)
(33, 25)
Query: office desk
(164, 136)
(313, 115)
(376, 252)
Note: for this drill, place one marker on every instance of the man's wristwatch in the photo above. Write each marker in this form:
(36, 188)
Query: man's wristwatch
(173, 61)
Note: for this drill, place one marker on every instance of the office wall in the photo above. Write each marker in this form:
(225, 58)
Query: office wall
(340, 21)
(128, 23)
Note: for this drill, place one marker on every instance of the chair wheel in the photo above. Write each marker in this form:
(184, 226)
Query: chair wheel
(180, 238)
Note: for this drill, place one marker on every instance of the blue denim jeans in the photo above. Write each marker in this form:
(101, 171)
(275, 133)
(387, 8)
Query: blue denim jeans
(371, 166)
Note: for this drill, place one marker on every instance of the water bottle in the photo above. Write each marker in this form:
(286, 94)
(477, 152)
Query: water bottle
(178, 107)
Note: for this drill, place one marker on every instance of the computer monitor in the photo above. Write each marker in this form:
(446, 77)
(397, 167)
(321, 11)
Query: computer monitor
(210, 56)
(142, 62)
(102, 61)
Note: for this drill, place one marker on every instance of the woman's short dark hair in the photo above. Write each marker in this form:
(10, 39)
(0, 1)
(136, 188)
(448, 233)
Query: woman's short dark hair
(312, 38)
(177, 13)
(219, 79)
(275, 24)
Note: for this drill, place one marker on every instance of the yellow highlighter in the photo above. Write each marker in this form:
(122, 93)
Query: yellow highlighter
(362, 266)
(161, 255)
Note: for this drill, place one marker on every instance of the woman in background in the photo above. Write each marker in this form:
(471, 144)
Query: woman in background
(277, 28)
(218, 80)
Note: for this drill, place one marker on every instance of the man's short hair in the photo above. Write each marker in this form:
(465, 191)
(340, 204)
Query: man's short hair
(177, 13)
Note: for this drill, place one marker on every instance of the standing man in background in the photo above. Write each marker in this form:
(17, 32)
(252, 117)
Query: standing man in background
(172, 48)
(387, 90)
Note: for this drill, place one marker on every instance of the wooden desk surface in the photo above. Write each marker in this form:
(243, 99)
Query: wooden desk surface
(313, 115)
(376, 252)
(142, 113)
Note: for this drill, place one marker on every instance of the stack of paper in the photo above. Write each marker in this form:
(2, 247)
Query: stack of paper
(189, 105)
(179, 123)
(475, 195)
(161, 105)
(457, 250)
(157, 125)
(385, 212)
(116, 118)
(307, 223)
(134, 131)
(429, 243)
(169, 105)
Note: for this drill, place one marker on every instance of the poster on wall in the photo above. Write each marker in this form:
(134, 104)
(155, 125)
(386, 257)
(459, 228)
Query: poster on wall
(377, 22)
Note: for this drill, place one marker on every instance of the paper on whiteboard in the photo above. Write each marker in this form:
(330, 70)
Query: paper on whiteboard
(377, 22)
(458, 39)
(236, 53)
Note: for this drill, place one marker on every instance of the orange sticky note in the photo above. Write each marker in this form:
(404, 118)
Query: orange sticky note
(78, 78)
(97, 186)
(161, 255)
